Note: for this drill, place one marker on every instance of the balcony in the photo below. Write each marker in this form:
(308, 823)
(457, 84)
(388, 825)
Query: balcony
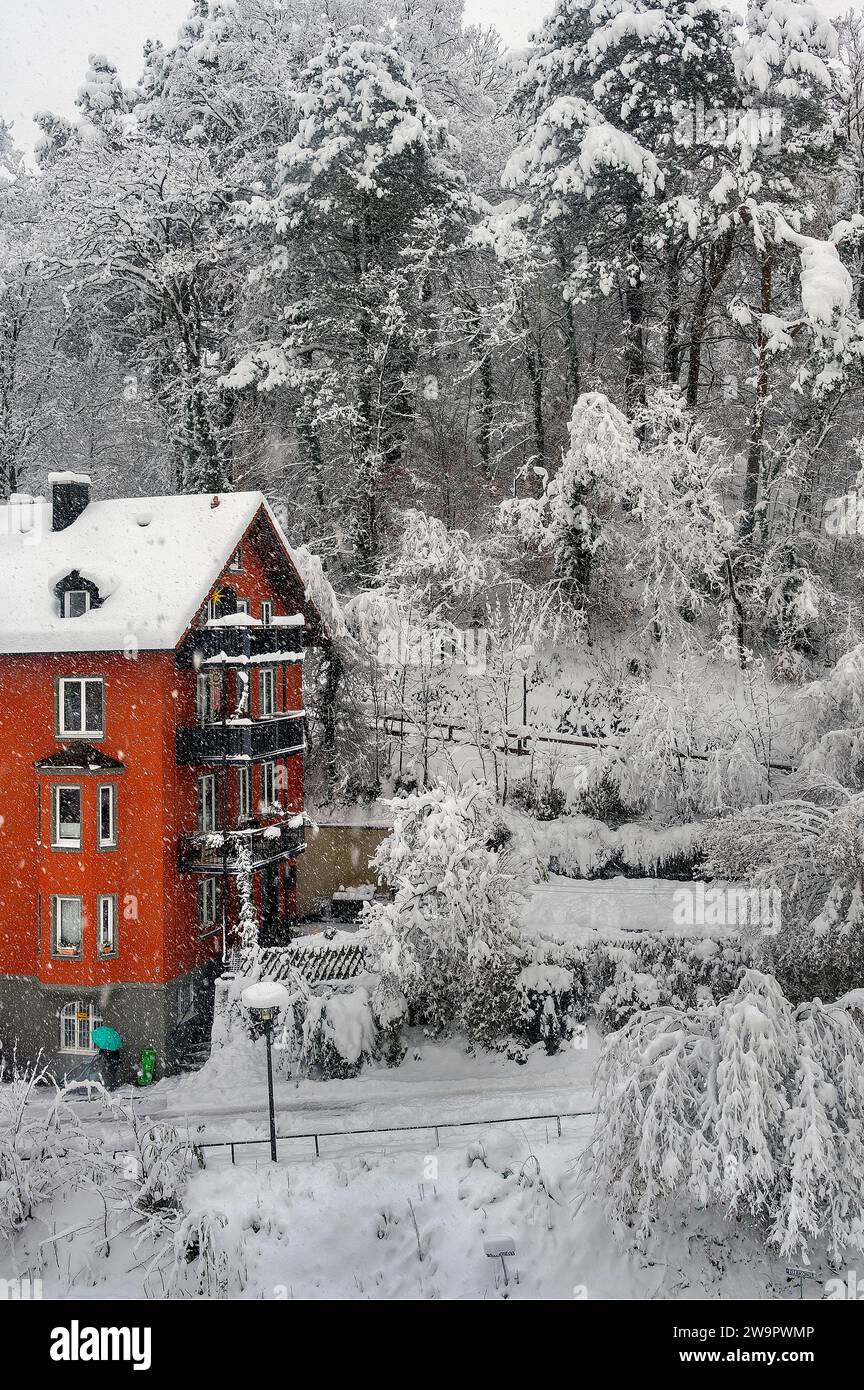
(241, 740)
(247, 641)
(214, 851)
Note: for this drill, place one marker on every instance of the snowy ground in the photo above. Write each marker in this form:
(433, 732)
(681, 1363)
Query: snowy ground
(394, 1215)
(438, 1084)
(565, 909)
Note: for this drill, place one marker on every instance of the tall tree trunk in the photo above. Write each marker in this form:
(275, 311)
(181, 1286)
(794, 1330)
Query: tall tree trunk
(486, 413)
(755, 444)
(574, 372)
(714, 266)
(672, 342)
(634, 313)
(534, 363)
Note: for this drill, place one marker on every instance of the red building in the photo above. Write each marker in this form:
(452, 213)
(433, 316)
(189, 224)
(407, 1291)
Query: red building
(151, 759)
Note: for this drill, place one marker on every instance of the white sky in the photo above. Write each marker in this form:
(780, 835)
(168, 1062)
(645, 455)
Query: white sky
(44, 44)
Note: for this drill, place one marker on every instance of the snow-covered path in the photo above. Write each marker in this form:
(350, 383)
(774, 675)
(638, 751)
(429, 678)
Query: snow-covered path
(437, 1086)
(440, 1086)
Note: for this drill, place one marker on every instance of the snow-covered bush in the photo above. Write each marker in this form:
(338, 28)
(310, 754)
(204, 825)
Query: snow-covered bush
(631, 992)
(323, 1031)
(337, 1033)
(626, 973)
(390, 1013)
(550, 1002)
(810, 855)
(161, 1161)
(199, 1246)
(450, 939)
(42, 1147)
(28, 1170)
(749, 1105)
(586, 847)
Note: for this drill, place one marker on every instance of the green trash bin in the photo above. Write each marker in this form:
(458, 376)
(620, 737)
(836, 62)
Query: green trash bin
(146, 1067)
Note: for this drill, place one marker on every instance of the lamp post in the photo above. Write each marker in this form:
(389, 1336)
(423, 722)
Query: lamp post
(263, 1001)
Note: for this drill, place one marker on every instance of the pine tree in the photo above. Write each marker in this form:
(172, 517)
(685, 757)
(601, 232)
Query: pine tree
(370, 194)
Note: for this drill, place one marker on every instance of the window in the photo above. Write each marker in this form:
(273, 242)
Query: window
(77, 1024)
(244, 793)
(66, 817)
(185, 1000)
(206, 803)
(268, 786)
(76, 602)
(67, 925)
(266, 694)
(266, 612)
(236, 563)
(108, 817)
(242, 605)
(208, 901)
(81, 707)
(208, 697)
(107, 918)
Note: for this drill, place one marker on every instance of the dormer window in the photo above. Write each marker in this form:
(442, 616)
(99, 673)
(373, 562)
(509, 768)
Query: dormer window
(76, 595)
(76, 602)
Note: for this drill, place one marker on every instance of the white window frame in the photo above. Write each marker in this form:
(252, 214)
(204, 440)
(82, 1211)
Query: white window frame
(208, 696)
(67, 605)
(69, 1015)
(208, 901)
(269, 779)
(59, 841)
(57, 900)
(235, 564)
(111, 789)
(208, 804)
(266, 681)
(83, 682)
(243, 605)
(106, 902)
(266, 612)
(244, 792)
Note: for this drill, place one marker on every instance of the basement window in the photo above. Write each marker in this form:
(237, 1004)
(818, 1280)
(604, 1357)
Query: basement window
(77, 1024)
(76, 602)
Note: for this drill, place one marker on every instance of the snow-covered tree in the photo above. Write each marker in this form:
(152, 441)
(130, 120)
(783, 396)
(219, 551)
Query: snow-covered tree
(749, 1105)
(450, 939)
(602, 89)
(369, 194)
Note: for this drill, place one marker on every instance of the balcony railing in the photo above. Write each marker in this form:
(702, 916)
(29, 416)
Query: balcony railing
(241, 740)
(215, 850)
(205, 644)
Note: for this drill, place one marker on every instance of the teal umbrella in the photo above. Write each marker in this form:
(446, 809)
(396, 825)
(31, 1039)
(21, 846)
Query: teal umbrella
(107, 1039)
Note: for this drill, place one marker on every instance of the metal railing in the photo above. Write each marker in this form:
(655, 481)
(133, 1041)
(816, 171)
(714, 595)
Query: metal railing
(218, 850)
(228, 740)
(434, 1130)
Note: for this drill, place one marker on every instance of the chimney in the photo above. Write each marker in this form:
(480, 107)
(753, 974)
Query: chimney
(70, 494)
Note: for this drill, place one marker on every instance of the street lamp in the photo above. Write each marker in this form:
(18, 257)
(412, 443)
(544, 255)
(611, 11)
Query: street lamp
(263, 1000)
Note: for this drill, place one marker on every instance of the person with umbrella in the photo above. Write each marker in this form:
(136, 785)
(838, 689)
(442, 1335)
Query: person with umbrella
(108, 1043)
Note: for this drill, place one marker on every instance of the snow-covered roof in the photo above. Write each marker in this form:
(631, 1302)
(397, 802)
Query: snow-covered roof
(153, 559)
